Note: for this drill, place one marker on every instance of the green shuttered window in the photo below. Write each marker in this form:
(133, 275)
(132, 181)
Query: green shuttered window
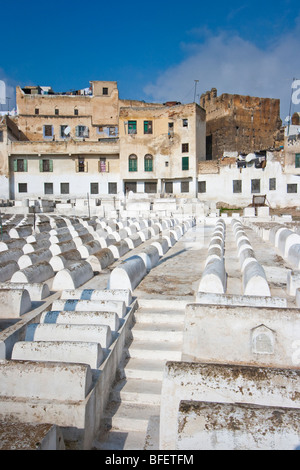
(185, 163)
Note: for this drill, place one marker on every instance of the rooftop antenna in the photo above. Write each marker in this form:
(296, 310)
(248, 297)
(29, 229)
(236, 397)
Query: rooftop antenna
(196, 81)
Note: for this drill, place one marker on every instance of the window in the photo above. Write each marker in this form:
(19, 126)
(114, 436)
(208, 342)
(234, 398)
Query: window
(81, 165)
(112, 188)
(150, 187)
(64, 188)
(201, 186)
(132, 127)
(22, 187)
(82, 131)
(94, 188)
(169, 187)
(291, 188)
(56, 111)
(46, 165)
(1, 136)
(255, 186)
(103, 165)
(185, 148)
(272, 184)
(185, 122)
(170, 128)
(63, 134)
(48, 131)
(185, 186)
(75, 112)
(130, 186)
(105, 91)
(237, 186)
(36, 111)
(185, 163)
(297, 160)
(147, 127)
(20, 164)
(48, 188)
(148, 162)
(132, 162)
(113, 131)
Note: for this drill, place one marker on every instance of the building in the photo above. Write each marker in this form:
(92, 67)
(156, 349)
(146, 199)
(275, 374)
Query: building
(80, 143)
(9, 133)
(240, 124)
(160, 148)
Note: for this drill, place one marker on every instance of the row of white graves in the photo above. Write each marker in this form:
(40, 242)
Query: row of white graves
(237, 385)
(62, 370)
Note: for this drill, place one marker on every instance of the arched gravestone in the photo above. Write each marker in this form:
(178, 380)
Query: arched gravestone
(262, 340)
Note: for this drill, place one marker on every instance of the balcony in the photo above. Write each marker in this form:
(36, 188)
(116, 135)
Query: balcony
(66, 147)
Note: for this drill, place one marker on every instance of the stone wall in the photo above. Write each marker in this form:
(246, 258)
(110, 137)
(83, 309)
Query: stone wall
(241, 123)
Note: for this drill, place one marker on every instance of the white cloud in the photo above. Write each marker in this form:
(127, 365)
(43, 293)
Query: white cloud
(233, 65)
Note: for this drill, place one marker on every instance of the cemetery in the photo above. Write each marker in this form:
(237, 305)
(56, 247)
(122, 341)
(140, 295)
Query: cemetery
(150, 331)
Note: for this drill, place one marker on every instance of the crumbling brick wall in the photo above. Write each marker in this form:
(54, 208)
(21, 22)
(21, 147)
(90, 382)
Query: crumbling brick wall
(242, 124)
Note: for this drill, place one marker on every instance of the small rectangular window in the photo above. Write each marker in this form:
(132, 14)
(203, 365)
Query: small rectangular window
(169, 187)
(272, 184)
(105, 91)
(36, 111)
(297, 160)
(64, 188)
(56, 111)
(185, 122)
(75, 112)
(94, 188)
(185, 148)
(132, 127)
(48, 188)
(237, 186)
(81, 166)
(22, 187)
(150, 187)
(46, 165)
(20, 164)
(171, 129)
(82, 131)
(1, 136)
(291, 188)
(201, 186)
(63, 134)
(185, 186)
(255, 186)
(185, 163)
(147, 127)
(48, 131)
(112, 188)
(103, 165)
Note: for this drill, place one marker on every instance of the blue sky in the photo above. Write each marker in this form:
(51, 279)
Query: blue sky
(155, 49)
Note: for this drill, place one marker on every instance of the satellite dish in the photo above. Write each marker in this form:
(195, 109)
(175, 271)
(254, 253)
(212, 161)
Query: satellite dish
(250, 157)
(67, 130)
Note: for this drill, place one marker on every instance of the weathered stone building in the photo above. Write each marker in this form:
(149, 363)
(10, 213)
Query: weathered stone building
(240, 124)
(92, 142)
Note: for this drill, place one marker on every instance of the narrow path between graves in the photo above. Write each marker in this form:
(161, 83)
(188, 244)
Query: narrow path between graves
(131, 420)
